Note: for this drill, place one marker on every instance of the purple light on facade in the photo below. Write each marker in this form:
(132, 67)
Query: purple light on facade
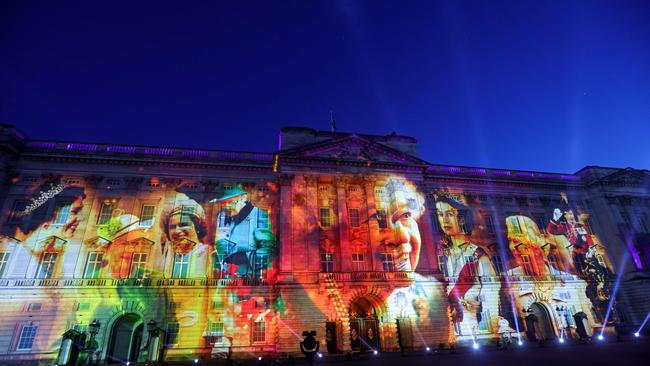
(569, 177)
(525, 174)
(547, 176)
(450, 169)
(41, 145)
(121, 149)
(195, 153)
(476, 171)
(501, 172)
(81, 147)
(158, 151)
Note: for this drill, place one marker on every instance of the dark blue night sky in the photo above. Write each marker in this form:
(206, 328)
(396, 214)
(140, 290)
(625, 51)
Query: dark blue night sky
(533, 85)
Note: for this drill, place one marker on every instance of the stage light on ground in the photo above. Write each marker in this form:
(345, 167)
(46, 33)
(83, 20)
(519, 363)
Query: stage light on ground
(259, 358)
(428, 349)
(561, 340)
(600, 337)
(375, 352)
(637, 334)
(128, 363)
(520, 343)
(320, 355)
(475, 346)
(196, 360)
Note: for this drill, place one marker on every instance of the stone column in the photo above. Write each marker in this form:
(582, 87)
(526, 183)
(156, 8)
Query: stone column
(373, 224)
(343, 221)
(286, 237)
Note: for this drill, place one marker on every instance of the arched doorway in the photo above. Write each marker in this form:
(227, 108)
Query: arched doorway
(538, 323)
(126, 339)
(364, 329)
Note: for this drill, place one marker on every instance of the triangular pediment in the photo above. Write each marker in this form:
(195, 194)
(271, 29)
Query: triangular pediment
(352, 149)
(627, 176)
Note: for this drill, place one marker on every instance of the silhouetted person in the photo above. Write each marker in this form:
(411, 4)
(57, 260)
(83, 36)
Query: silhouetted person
(309, 347)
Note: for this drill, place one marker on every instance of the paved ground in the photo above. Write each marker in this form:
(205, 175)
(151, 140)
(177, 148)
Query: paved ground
(632, 353)
(615, 353)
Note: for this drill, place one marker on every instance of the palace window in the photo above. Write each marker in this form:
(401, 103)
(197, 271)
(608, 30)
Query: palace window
(381, 219)
(181, 265)
(17, 212)
(462, 221)
(171, 335)
(186, 215)
(261, 264)
(327, 262)
(26, 338)
(552, 262)
(4, 262)
(138, 265)
(93, 264)
(527, 264)
(470, 263)
(484, 324)
(259, 331)
(325, 219)
(46, 265)
(387, 262)
(442, 265)
(355, 219)
(626, 220)
(498, 263)
(105, 213)
(358, 262)
(62, 212)
(541, 221)
(514, 223)
(489, 224)
(215, 332)
(262, 219)
(147, 215)
(589, 224)
(224, 218)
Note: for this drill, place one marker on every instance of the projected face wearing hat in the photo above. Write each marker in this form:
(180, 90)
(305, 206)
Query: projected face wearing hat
(185, 227)
(242, 231)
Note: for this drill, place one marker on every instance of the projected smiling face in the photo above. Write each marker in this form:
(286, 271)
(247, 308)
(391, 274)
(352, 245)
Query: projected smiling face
(182, 233)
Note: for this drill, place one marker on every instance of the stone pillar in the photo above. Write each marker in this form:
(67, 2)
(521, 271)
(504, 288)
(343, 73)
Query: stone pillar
(343, 221)
(286, 237)
(373, 224)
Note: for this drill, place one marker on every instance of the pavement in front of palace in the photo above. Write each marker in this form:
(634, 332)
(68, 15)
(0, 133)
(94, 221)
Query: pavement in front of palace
(631, 352)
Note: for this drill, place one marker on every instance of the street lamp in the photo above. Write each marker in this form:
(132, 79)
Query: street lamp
(154, 340)
(93, 329)
(564, 312)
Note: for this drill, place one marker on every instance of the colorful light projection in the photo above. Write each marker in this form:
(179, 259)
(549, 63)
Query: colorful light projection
(121, 253)
(561, 265)
(140, 248)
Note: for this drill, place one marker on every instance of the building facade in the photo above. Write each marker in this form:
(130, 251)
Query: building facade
(159, 252)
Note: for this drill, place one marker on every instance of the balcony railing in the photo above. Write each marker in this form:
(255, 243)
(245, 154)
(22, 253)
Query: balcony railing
(367, 276)
(133, 282)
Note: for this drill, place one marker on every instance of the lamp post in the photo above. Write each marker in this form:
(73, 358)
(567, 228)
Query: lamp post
(154, 341)
(93, 329)
(564, 313)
